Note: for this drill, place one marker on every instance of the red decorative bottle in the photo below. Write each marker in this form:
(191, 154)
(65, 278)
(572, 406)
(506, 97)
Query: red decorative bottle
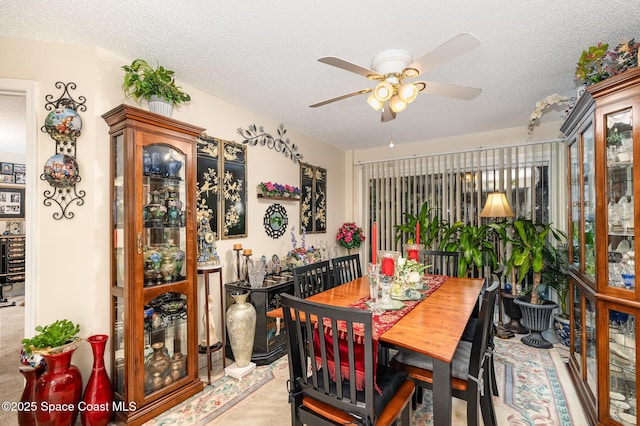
(26, 412)
(98, 395)
(58, 391)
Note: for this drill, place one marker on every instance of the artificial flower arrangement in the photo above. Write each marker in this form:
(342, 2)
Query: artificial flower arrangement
(270, 189)
(597, 63)
(350, 236)
(542, 106)
(408, 275)
(299, 256)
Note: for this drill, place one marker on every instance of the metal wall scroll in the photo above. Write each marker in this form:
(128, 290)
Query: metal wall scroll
(256, 135)
(61, 170)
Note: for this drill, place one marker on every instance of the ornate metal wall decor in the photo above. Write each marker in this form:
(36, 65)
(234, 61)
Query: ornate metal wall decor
(64, 125)
(221, 187)
(275, 221)
(256, 135)
(313, 204)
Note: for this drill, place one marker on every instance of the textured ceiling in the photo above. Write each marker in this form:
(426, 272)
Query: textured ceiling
(263, 56)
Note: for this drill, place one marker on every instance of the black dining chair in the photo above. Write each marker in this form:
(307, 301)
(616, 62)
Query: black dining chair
(440, 262)
(322, 395)
(346, 268)
(470, 367)
(311, 279)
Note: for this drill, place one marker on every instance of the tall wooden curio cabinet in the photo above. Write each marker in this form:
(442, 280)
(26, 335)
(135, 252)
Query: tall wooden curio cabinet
(153, 275)
(603, 140)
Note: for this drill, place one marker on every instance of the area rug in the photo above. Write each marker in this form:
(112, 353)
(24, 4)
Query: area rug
(534, 387)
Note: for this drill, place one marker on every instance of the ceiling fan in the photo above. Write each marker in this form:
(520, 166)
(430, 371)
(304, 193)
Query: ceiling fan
(391, 68)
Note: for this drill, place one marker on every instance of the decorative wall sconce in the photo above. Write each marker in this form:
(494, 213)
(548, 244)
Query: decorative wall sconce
(61, 171)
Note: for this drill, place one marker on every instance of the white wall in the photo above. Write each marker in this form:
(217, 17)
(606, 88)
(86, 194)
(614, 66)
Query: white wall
(73, 254)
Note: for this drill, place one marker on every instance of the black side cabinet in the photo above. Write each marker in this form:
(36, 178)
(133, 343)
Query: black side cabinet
(270, 341)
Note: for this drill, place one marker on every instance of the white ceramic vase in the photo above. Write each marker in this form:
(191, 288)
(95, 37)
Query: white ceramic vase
(241, 326)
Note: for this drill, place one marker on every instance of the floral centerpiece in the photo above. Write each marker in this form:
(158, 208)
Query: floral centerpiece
(269, 189)
(350, 236)
(597, 63)
(408, 275)
(299, 256)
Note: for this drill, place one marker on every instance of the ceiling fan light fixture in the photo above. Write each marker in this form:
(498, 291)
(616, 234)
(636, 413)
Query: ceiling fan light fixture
(397, 104)
(407, 92)
(383, 91)
(374, 102)
(410, 73)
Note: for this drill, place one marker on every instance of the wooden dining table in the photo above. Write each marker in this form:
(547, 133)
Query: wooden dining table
(433, 327)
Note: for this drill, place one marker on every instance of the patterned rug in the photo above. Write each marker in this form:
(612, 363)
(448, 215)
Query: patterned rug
(534, 387)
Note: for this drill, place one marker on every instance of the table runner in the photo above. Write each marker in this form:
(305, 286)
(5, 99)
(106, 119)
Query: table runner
(381, 323)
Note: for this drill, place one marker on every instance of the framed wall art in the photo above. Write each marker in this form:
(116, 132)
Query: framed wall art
(12, 203)
(221, 170)
(313, 202)
(6, 168)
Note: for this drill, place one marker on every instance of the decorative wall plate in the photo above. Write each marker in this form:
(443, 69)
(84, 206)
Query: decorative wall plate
(275, 221)
(61, 171)
(63, 124)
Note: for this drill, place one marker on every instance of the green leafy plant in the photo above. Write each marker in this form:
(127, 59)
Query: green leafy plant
(473, 242)
(528, 244)
(555, 273)
(591, 67)
(142, 81)
(431, 227)
(52, 336)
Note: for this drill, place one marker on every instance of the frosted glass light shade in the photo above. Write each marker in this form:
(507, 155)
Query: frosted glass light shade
(497, 206)
(383, 91)
(374, 103)
(407, 92)
(397, 104)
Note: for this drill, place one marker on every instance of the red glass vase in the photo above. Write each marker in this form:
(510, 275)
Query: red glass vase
(27, 407)
(58, 391)
(98, 395)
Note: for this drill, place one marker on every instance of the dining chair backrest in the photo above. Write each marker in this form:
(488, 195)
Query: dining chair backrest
(440, 262)
(311, 279)
(320, 392)
(346, 268)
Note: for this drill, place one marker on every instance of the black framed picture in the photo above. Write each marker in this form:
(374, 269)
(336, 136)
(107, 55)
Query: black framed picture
(12, 203)
(20, 168)
(20, 178)
(6, 168)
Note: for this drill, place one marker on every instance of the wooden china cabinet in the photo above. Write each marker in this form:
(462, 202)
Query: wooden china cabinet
(603, 142)
(154, 335)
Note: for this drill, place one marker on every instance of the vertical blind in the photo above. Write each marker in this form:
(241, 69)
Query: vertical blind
(533, 176)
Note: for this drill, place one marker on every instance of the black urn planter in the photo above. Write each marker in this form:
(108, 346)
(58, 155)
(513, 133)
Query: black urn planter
(536, 318)
(513, 312)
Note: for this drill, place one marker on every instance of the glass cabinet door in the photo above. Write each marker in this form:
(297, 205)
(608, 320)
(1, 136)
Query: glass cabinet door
(622, 365)
(620, 208)
(576, 229)
(589, 210)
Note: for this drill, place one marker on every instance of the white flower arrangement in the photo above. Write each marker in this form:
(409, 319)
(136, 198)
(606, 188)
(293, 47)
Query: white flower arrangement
(542, 105)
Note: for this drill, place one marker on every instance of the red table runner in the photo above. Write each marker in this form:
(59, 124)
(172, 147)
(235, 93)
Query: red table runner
(381, 323)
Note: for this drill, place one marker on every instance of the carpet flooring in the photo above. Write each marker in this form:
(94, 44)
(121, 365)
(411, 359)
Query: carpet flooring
(534, 386)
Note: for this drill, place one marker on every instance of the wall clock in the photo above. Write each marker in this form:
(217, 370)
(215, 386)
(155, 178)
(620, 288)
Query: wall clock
(275, 221)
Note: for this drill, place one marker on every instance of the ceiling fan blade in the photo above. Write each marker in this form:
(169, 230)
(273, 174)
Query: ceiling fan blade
(339, 98)
(450, 90)
(387, 113)
(346, 65)
(462, 43)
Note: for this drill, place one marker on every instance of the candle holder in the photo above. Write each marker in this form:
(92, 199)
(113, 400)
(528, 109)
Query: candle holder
(413, 251)
(245, 269)
(237, 250)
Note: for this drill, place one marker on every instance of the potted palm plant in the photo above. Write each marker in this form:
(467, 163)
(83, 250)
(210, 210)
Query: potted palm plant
(473, 242)
(157, 86)
(529, 242)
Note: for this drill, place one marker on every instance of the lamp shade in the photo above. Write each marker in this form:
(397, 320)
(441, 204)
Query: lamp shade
(407, 92)
(497, 206)
(374, 102)
(383, 91)
(397, 104)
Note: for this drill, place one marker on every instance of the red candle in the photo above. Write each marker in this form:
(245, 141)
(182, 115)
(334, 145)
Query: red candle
(374, 239)
(387, 266)
(412, 254)
(417, 233)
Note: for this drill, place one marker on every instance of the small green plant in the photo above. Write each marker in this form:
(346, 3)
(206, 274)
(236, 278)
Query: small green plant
(51, 336)
(142, 81)
(431, 227)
